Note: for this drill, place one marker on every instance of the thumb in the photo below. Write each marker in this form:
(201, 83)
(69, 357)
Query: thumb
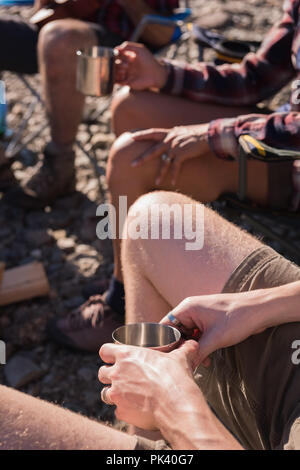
(190, 349)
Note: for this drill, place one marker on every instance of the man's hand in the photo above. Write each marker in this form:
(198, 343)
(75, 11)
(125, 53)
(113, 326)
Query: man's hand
(141, 379)
(177, 145)
(138, 68)
(222, 320)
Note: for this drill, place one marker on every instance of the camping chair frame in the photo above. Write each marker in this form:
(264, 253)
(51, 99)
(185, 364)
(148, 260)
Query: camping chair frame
(251, 148)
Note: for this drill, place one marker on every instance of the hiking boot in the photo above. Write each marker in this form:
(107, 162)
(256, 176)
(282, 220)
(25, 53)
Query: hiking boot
(51, 178)
(87, 327)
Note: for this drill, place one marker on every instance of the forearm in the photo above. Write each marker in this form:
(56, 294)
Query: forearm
(282, 305)
(156, 35)
(187, 423)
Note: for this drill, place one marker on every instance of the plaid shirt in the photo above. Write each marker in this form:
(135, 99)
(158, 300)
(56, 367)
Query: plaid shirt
(258, 77)
(116, 20)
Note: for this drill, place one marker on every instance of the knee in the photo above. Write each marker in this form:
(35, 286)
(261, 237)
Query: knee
(59, 40)
(119, 159)
(119, 170)
(151, 214)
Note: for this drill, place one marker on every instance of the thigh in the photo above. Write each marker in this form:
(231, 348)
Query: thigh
(145, 109)
(18, 52)
(198, 262)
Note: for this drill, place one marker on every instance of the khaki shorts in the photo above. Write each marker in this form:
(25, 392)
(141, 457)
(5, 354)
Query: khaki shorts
(254, 387)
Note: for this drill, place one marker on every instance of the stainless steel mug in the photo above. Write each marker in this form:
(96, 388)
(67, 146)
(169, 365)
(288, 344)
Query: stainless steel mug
(163, 338)
(95, 71)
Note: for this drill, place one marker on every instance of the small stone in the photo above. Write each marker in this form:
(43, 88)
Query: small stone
(216, 20)
(20, 370)
(66, 244)
(59, 234)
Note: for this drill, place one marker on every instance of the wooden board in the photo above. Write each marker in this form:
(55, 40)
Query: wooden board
(23, 283)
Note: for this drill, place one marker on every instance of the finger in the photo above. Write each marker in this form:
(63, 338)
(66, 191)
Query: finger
(176, 170)
(105, 395)
(180, 317)
(150, 134)
(104, 374)
(165, 167)
(108, 353)
(207, 345)
(129, 46)
(154, 152)
(190, 349)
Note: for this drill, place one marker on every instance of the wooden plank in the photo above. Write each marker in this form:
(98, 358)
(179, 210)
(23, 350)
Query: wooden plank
(23, 283)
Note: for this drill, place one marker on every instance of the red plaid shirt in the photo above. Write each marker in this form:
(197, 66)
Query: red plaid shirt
(117, 21)
(258, 77)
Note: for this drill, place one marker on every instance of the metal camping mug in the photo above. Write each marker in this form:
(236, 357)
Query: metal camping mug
(95, 71)
(162, 338)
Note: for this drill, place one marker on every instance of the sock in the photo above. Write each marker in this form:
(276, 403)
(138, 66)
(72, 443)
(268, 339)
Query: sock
(115, 296)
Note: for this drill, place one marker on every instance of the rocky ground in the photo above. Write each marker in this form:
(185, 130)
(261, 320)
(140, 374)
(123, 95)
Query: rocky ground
(63, 237)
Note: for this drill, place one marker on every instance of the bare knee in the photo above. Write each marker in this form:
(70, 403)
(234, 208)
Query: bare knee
(119, 169)
(58, 42)
(158, 212)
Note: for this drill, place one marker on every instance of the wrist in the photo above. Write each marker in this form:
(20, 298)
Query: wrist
(283, 302)
(162, 74)
(186, 421)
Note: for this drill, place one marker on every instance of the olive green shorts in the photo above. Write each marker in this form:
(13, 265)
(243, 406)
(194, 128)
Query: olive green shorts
(253, 387)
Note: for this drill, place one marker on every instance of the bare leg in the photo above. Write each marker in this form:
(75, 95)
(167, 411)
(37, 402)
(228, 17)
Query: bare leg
(204, 179)
(143, 110)
(30, 424)
(159, 274)
(58, 42)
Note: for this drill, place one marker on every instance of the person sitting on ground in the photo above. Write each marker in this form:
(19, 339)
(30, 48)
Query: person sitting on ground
(236, 292)
(51, 50)
(198, 115)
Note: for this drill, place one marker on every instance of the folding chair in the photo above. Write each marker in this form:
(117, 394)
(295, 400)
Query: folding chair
(17, 141)
(280, 226)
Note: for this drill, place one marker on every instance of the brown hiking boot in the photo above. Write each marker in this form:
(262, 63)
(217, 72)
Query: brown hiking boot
(51, 178)
(87, 327)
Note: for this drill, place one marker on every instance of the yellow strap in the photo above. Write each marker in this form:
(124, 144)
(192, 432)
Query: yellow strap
(228, 59)
(256, 144)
